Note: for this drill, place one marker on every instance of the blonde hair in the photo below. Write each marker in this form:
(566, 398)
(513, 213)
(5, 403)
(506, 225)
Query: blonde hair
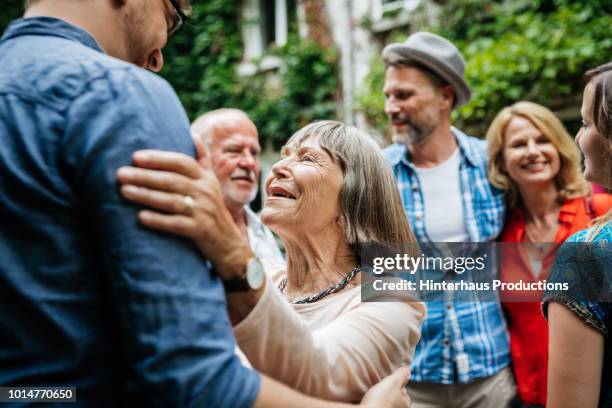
(570, 182)
(370, 204)
(601, 77)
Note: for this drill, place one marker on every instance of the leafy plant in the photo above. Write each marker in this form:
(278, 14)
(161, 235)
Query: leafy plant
(11, 10)
(514, 50)
(202, 62)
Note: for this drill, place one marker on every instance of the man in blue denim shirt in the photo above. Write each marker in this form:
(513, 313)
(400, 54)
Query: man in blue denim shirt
(88, 297)
(463, 356)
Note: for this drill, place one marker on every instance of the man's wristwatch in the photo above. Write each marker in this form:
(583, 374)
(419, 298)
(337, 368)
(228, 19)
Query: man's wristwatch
(253, 279)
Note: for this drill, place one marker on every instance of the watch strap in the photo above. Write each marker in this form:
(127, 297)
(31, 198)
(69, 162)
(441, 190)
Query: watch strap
(252, 279)
(237, 285)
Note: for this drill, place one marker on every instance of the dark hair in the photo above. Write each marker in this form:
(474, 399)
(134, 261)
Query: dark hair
(601, 78)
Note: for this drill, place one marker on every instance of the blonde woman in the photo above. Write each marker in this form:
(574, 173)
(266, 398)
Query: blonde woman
(534, 159)
(580, 364)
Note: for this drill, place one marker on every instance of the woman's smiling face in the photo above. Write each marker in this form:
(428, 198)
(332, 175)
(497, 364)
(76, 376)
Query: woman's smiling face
(593, 145)
(529, 157)
(303, 190)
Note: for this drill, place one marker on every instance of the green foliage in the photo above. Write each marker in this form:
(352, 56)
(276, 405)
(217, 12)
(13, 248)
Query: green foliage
(201, 65)
(532, 50)
(201, 61)
(201, 58)
(309, 83)
(11, 10)
(371, 101)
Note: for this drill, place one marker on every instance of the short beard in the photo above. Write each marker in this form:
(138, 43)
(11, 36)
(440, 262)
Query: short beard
(239, 198)
(133, 41)
(413, 134)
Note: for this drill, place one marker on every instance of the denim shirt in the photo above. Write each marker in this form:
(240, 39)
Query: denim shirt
(88, 297)
(460, 340)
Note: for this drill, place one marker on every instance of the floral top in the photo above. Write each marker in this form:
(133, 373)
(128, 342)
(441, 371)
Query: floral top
(586, 265)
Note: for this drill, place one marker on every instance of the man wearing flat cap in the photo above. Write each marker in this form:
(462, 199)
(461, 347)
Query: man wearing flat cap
(463, 356)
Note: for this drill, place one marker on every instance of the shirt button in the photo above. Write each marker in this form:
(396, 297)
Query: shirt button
(449, 307)
(446, 343)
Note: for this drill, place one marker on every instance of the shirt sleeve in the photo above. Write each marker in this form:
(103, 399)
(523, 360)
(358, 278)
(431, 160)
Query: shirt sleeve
(338, 361)
(584, 268)
(169, 308)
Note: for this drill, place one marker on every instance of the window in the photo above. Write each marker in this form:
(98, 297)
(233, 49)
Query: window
(266, 23)
(383, 8)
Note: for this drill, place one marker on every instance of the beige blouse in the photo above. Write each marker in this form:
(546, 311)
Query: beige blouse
(336, 348)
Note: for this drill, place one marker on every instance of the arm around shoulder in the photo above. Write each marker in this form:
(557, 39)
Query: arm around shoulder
(340, 360)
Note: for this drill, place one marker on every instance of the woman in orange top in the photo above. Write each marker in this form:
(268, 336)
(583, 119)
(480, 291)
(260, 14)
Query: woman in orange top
(534, 159)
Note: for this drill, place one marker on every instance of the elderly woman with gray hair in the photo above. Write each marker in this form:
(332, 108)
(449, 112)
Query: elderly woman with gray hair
(329, 195)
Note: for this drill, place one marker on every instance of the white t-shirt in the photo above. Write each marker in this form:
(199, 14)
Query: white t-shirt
(441, 189)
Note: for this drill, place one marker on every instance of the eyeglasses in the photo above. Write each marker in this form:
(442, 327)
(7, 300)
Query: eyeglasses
(179, 18)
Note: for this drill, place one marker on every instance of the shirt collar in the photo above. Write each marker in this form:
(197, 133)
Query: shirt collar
(569, 209)
(399, 153)
(49, 26)
(253, 222)
(250, 214)
(468, 150)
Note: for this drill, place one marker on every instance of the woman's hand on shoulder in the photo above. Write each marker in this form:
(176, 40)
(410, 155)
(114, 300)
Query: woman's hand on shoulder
(184, 197)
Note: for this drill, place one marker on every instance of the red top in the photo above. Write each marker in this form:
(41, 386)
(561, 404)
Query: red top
(528, 329)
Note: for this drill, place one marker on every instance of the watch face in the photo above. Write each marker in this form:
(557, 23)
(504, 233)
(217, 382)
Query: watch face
(255, 274)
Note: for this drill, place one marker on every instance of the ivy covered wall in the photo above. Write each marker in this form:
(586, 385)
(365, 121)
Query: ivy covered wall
(515, 50)
(201, 61)
(11, 9)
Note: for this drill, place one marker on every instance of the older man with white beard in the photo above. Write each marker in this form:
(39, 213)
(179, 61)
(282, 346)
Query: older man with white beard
(233, 142)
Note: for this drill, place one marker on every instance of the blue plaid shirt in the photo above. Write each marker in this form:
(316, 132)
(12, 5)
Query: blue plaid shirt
(461, 341)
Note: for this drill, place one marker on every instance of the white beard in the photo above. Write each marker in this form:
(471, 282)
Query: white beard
(239, 196)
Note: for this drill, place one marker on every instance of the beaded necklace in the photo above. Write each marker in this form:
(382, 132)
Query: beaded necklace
(325, 292)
